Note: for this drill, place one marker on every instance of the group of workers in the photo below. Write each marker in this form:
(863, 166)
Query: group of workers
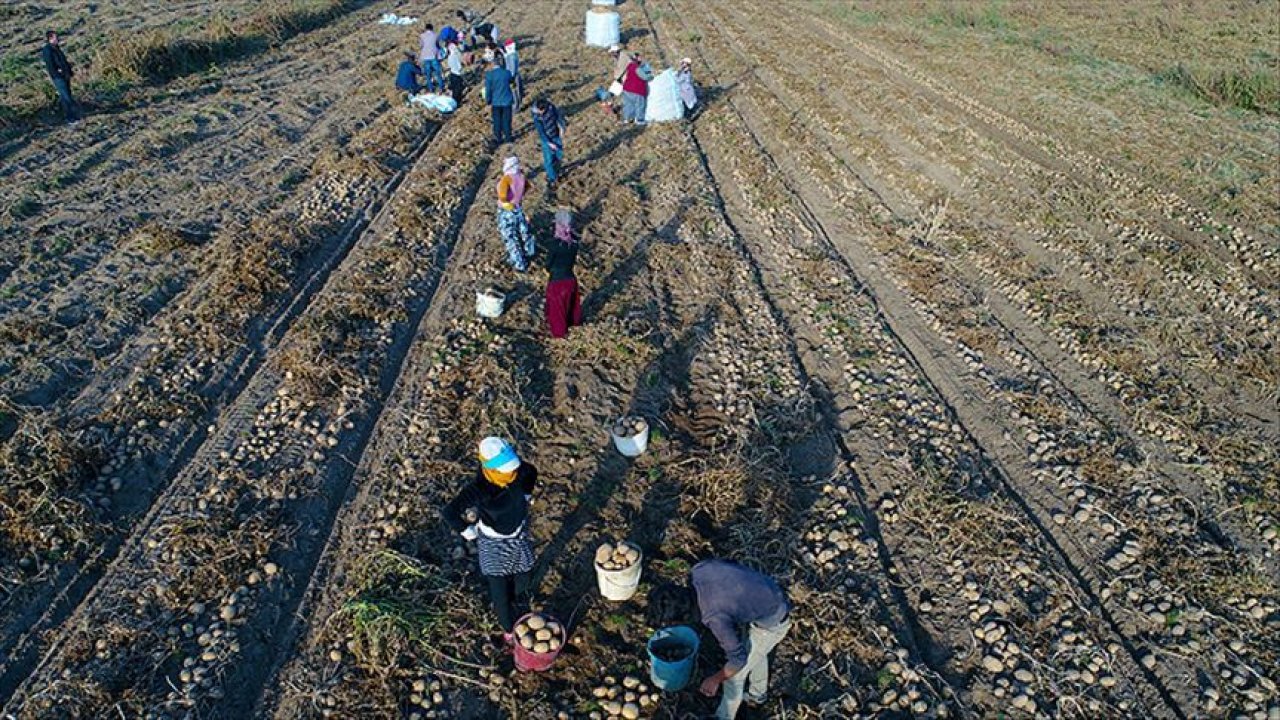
(746, 611)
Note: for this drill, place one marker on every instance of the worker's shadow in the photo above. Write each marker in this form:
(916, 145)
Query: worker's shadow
(650, 398)
(620, 277)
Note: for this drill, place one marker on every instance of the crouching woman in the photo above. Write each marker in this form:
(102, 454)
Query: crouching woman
(499, 495)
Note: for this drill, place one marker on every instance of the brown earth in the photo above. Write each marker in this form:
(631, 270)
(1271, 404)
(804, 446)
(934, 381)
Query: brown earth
(995, 402)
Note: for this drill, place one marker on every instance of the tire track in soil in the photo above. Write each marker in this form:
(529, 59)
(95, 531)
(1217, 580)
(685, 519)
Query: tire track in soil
(644, 401)
(1014, 460)
(110, 289)
(257, 391)
(929, 369)
(1053, 363)
(79, 583)
(1165, 211)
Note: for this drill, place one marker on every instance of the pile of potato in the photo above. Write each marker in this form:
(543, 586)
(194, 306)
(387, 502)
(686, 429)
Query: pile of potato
(629, 426)
(539, 634)
(617, 557)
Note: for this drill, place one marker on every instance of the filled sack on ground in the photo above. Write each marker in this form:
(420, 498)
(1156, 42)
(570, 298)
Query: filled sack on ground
(604, 27)
(664, 103)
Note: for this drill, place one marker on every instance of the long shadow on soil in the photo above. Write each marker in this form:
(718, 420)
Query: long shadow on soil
(648, 399)
(622, 274)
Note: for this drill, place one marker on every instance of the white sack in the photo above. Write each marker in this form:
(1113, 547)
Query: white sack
(439, 103)
(608, 3)
(394, 19)
(664, 103)
(603, 28)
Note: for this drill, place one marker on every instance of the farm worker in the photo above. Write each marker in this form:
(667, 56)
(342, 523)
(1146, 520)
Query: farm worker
(512, 61)
(407, 74)
(549, 122)
(447, 35)
(621, 59)
(635, 92)
(684, 80)
(564, 303)
(512, 225)
(60, 73)
(455, 71)
(497, 91)
(429, 54)
(499, 495)
(748, 614)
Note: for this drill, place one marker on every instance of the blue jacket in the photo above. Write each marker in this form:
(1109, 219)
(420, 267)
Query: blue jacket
(497, 87)
(407, 76)
(549, 123)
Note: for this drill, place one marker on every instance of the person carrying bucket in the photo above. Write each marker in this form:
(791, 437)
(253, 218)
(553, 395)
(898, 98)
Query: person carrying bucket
(746, 611)
(512, 224)
(500, 495)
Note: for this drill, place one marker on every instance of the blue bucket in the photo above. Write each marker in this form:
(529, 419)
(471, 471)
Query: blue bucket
(672, 652)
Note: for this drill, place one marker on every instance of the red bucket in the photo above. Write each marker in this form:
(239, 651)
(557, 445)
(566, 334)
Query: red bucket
(530, 661)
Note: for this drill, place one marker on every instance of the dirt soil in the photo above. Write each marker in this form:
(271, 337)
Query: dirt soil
(988, 384)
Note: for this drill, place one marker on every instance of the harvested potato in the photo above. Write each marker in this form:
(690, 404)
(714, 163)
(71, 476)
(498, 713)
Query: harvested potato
(541, 648)
(536, 622)
(543, 635)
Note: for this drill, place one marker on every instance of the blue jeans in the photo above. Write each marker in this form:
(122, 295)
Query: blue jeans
(63, 86)
(551, 159)
(502, 123)
(633, 107)
(434, 75)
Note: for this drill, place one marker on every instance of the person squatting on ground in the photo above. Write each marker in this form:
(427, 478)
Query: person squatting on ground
(429, 53)
(748, 614)
(550, 124)
(407, 75)
(500, 495)
(563, 301)
(511, 60)
(454, 62)
(512, 224)
(60, 72)
(497, 90)
(635, 92)
(684, 81)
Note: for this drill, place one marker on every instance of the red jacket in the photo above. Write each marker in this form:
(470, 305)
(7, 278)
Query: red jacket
(633, 83)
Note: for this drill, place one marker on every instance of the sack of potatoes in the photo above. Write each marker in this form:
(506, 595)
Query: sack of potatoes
(539, 634)
(617, 556)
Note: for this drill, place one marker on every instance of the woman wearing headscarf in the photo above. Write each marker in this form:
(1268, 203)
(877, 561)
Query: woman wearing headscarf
(499, 495)
(684, 81)
(564, 303)
(512, 224)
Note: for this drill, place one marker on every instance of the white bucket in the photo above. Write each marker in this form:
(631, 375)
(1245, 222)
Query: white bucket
(619, 585)
(631, 445)
(604, 27)
(604, 3)
(489, 303)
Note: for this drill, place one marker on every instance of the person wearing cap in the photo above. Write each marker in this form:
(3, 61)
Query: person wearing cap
(621, 59)
(498, 93)
(60, 72)
(407, 74)
(512, 224)
(746, 611)
(499, 495)
(684, 81)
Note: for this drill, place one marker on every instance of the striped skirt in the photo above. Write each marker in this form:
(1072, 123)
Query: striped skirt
(501, 556)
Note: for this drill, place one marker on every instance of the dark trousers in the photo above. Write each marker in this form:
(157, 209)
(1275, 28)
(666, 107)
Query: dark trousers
(502, 124)
(503, 591)
(455, 87)
(63, 86)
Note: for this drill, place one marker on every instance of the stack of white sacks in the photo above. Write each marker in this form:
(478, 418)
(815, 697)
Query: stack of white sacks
(604, 26)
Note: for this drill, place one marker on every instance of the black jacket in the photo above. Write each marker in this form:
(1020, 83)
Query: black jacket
(55, 62)
(503, 509)
(560, 259)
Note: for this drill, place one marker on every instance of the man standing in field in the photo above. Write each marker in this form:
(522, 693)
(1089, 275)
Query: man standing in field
(60, 73)
(455, 71)
(430, 57)
(497, 90)
(550, 125)
(746, 611)
(512, 61)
